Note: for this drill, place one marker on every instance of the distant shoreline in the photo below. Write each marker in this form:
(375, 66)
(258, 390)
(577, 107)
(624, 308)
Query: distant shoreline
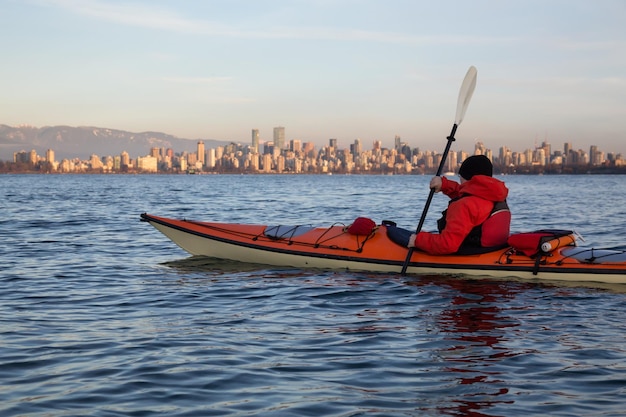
(550, 172)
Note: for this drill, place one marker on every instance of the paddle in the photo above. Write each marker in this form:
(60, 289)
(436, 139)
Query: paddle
(465, 94)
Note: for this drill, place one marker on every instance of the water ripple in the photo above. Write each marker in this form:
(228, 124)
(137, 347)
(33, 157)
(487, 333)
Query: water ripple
(101, 316)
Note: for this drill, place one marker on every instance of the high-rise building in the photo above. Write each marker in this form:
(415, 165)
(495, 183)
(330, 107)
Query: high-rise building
(502, 153)
(567, 147)
(596, 157)
(267, 163)
(528, 156)
(479, 148)
(95, 161)
(254, 161)
(280, 164)
(200, 157)
(255, 140)
(50, 156)
(210, 158)
(356, 148)
(279, 137)
(540, 156)
(147, 163)
(308, 148)
(192, 158)
(452, 161)
(547, 149)
(295, 145)
(20, 157)
(124, 159)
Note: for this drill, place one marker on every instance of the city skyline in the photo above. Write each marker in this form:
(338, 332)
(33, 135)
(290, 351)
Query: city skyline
(371, 70)
(461, 142)
(303, 158)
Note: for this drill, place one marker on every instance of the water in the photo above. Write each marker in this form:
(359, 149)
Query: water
(101, 315)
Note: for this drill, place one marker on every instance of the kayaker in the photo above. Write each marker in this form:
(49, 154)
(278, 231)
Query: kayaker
(477, 217)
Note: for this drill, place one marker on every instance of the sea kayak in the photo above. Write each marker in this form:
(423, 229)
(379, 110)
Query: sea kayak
(335, 247)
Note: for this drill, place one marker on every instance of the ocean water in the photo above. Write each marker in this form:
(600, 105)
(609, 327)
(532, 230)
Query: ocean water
(101, 315)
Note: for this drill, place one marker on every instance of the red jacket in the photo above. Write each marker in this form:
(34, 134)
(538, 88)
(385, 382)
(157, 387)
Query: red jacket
(479, 195)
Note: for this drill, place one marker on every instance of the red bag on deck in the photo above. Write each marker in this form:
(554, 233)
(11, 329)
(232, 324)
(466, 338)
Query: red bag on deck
(530, 243)
(362, 226)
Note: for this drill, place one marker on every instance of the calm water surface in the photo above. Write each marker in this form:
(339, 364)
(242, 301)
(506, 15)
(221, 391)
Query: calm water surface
(101, 315)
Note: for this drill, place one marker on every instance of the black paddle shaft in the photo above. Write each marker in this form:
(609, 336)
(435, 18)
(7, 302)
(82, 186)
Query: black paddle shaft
(430, 196)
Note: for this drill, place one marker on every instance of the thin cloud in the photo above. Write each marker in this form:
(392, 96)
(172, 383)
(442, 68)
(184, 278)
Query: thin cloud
(137, 15)
(195, 80)
(564, 82)
(151, 17)
(592, 45)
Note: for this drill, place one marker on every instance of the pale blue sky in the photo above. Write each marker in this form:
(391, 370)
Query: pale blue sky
(345, 69)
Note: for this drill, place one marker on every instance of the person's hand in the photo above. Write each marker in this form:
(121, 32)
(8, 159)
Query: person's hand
(435, 184)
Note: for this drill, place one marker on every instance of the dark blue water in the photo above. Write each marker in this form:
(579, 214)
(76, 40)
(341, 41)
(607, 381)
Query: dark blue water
(101, 315)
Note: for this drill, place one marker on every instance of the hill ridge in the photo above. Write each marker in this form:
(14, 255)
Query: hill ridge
(83, 141)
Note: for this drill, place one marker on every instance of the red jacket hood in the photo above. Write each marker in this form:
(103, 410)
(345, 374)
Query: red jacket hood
(489, 188)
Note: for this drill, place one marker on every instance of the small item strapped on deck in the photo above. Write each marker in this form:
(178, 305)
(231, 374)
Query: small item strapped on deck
(362, 226)
(544, 241)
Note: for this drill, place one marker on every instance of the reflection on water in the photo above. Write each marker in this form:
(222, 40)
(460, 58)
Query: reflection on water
(476, 328)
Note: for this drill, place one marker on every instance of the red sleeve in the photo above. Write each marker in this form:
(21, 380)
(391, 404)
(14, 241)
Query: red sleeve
(462, 216)
(450, 188)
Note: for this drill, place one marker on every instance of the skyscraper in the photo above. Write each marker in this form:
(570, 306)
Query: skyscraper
(595, 156)
(295, 145)
(255, 140)
(210, 158)
(279, 137)
(50, 156)
(479, 148)
(124, 159)
(547, 149)
(200, 157)
(452, 161)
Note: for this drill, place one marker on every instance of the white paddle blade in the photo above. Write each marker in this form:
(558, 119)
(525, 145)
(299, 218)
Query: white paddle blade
(465, 94)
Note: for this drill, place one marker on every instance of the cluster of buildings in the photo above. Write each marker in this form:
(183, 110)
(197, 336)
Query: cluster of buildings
(295, 156)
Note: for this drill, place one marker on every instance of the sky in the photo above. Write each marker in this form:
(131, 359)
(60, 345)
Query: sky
(548, 70)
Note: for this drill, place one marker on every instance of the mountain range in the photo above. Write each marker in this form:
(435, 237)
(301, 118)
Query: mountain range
(83, 141)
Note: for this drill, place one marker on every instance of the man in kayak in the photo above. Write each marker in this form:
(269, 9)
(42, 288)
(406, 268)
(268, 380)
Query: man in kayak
(477, 218)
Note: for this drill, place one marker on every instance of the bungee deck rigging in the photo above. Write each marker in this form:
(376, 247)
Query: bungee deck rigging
(288, 235)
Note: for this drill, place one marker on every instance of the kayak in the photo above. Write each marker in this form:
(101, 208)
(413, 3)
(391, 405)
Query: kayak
(337, 247)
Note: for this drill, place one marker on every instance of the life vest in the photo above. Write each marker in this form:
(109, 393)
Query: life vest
(490, 234)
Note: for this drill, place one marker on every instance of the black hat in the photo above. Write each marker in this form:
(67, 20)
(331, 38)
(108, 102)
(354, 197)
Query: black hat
(476, 165)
